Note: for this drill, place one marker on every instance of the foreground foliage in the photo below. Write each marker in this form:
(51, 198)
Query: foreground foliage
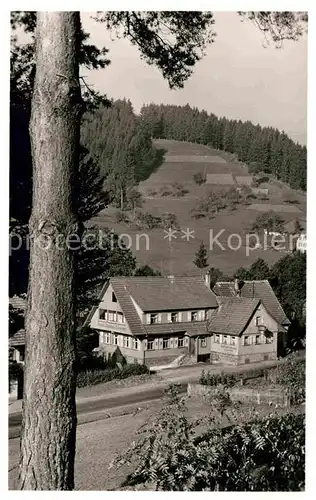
(263, 455)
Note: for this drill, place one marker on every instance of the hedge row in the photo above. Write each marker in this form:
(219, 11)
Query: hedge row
(231, 379)
(213, 379)
(93, 377)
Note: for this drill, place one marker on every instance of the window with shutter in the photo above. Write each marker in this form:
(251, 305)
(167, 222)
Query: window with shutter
(180, 341)
(174, 317)
(194, 316)
(166, 343)
(153, 318)
(102, 314)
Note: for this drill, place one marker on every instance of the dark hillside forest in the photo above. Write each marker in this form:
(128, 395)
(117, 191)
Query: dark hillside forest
(262, 148)
(121, 144)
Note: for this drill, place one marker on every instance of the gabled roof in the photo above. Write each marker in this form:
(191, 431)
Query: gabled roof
(128, 308)
(157, 293)
(255, 289)
(18, 338)
(233, 315)
(17, 302)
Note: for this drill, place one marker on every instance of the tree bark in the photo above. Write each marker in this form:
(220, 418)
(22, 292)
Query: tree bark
(49, 408)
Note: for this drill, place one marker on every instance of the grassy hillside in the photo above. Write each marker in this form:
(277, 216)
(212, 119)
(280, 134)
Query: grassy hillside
(182, 161)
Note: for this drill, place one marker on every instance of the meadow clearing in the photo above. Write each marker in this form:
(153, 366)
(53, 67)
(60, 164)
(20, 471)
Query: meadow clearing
(182, 161)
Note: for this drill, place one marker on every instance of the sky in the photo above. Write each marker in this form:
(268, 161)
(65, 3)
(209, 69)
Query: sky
(238, 78)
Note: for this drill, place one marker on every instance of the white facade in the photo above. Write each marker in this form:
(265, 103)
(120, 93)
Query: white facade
(301, 244)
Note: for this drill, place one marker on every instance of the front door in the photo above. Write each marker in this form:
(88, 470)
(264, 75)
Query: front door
(203, 358)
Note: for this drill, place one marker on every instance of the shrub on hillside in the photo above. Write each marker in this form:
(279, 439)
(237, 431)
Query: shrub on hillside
(121, 216)
(146, 270)
(147, 220)
(199, 178)
(169, 220)
(270, 221)
(214, 379)
(93, 377)
(175, 189)
(180, 191)
(197, 213)
(166, 191)
(152, 192)
(223, 199)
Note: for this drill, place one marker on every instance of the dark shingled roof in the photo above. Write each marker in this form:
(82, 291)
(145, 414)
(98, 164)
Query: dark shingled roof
(18, 338)
(155, 293)
(125, 301)
(191, 328)
(255, 289)
(233, 315)
(17, 302)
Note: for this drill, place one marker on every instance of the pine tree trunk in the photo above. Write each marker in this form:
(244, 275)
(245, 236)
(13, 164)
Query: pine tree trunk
(49, 408)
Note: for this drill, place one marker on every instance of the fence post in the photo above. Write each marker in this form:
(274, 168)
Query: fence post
(258, 398)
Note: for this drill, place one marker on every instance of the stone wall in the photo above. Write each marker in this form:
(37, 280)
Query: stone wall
(244, 395)
(160, 360)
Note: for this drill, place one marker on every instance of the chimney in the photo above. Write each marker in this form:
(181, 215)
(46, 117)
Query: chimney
(236, 287)
(207, 279)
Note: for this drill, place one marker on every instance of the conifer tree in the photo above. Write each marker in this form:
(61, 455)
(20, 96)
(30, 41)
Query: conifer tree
(201, 257)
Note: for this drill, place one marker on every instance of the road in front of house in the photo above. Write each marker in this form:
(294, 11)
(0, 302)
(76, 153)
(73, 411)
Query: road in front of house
(100, 437)
(144, 392)
(98, 443)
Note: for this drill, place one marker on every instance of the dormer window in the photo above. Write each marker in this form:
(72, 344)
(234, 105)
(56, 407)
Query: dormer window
(102, 314)
(174, 317)
(114, 299)
(194, 316)
(153, 318)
